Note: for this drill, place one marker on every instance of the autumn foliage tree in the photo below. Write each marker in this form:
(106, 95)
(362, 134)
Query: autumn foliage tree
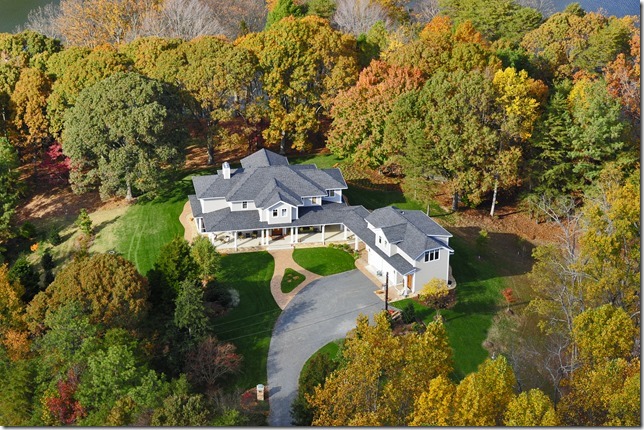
(304, 63)
(530, 408)
(381, 376)
(29, 106)
(483, 396)
(211, 360)
(62, 407)
(108, 287)
(359, 113)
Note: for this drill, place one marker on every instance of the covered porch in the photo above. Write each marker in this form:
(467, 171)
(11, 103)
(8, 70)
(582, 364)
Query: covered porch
(231, 241)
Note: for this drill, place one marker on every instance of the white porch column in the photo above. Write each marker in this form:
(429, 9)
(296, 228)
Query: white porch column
(266, 238)
(292, 234)
(355, 242)
(235, 234)
(297, 229)
(346, 232)
(323, 234)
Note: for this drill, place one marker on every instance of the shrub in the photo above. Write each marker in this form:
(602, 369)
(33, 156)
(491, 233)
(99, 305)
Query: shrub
(23, 272)
(84, 222)
(27, 230)
(408, 313)
(47, 261)
(54, 237)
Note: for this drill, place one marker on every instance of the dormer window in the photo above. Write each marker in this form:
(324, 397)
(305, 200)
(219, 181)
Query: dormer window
(431, 255)
(314, 200)
(274, 212)
(244, 205)
(283, 211)
(380, 240)
(331, 193)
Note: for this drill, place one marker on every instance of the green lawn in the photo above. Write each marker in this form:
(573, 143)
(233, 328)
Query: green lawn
(478, 295)
(250, 324)
(331, 350)
(324, 261)
(324, 161)
(291, 280)
(145, 227)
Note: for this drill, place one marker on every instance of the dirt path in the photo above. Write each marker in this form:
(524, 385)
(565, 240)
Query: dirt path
(187, 222)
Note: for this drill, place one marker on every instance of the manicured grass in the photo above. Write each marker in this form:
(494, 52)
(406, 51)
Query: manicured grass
(250, 324)
(331, 350)
(323, 161)
(147, 226)
(324, 261)
(478, 294)
(291, 280)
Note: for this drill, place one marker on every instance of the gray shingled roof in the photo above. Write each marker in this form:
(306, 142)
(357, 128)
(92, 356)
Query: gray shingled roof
(195, 205)
(357, 224)
(263, 158)
(267, 176)
(226, 220)
(411, 230)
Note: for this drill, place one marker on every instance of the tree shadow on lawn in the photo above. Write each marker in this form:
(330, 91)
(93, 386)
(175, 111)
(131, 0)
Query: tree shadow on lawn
(504, 254)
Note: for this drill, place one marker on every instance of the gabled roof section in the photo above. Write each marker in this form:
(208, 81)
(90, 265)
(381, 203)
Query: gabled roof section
(266, 177)
(275, 192)
(263, 158)
(412, 231)
(390, 216)
(395, 233)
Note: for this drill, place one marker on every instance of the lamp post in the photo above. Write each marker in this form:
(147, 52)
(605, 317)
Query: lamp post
(386, 291)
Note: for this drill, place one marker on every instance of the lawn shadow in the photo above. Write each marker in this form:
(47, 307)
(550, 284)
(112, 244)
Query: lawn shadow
(99, 227)
(502, 254)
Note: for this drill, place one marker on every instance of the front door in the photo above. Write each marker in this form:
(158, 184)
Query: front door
(410, 281)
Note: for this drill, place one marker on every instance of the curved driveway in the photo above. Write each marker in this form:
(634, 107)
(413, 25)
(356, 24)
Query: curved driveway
(323, 311)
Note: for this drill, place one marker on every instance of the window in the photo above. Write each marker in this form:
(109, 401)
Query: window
(283, 211)
(274, 212)
(431, 255)
(244, 205)
(380, 239)
(314, 200)
(331, 193)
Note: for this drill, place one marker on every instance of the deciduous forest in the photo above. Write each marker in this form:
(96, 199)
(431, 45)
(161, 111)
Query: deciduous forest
(482, 100)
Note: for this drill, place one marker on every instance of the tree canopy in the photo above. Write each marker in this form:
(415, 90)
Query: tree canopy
(131, 134)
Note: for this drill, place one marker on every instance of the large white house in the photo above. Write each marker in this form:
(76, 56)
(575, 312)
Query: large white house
(268, 202)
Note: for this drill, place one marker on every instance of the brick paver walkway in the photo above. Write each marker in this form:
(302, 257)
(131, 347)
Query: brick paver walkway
(283, 260)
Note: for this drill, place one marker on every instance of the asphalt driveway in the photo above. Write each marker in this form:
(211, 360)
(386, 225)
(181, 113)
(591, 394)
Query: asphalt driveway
(323, 311)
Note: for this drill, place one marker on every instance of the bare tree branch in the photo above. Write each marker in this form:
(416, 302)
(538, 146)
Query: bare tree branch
(43, 20)
(424, 10)
(358, 16)
(185, 19)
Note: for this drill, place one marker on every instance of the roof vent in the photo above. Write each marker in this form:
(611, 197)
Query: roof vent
(226, 170)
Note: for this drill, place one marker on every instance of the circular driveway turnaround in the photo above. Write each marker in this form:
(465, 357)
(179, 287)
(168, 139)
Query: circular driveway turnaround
(323, 311)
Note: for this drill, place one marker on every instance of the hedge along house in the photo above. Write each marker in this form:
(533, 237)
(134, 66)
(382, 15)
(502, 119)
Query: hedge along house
(270, 203)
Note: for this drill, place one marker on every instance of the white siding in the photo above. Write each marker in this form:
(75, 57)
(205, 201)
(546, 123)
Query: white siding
(279, 219)
(432, 269)
(308, 201)
(211, 205)
(337, 198)
(380, 265)
(237, 206)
